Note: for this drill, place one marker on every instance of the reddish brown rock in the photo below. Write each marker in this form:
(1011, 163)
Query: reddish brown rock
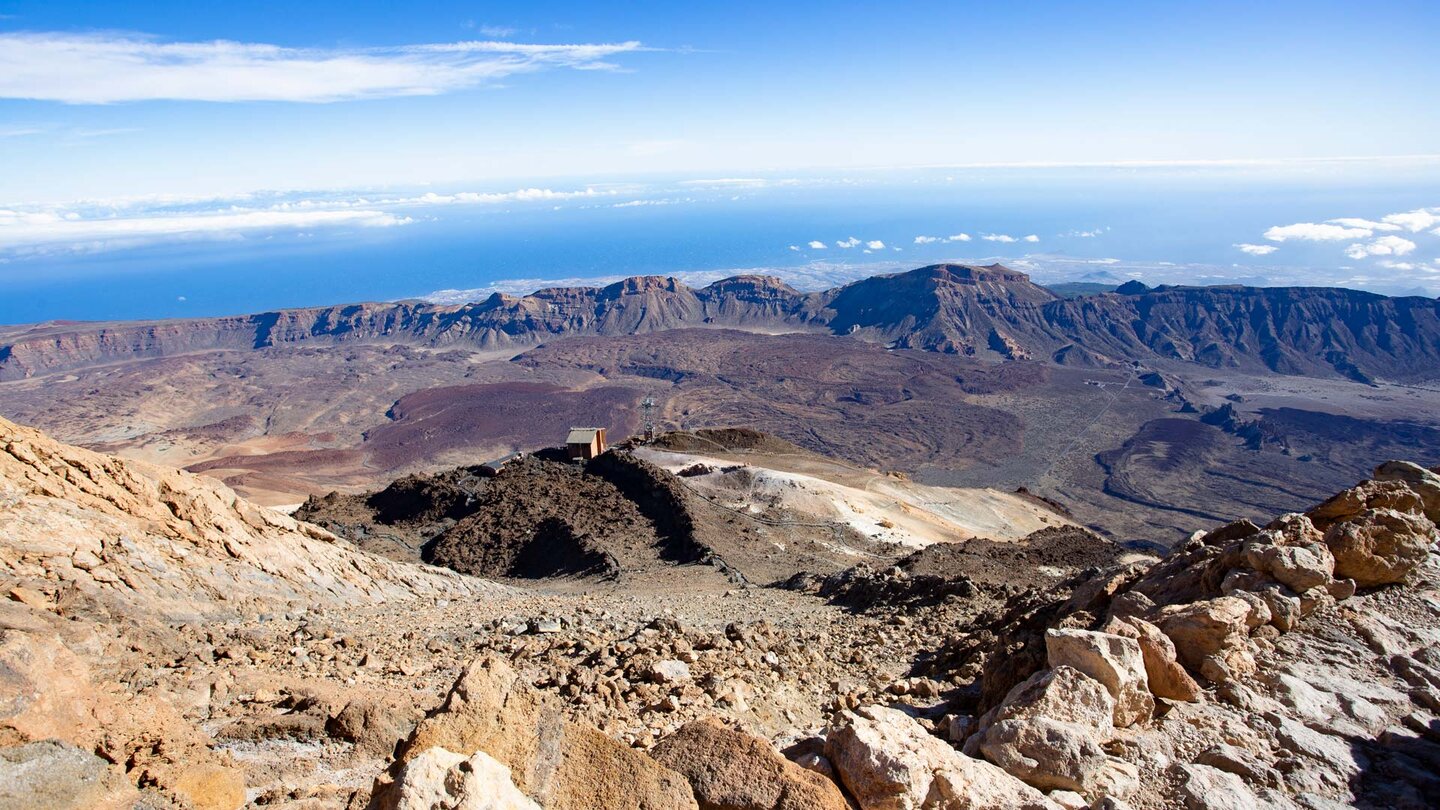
(732, 770)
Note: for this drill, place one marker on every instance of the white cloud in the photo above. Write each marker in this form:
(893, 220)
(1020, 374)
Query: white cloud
(926, 240)
(1315, 232)
(816, 244)
(959, 237)
(1415, 221)
(875, 244)
(39, 231)
(104, 69)
(794, 247)
(100, 225)
(848, 243)
(1257, 250)
(1384, 246)
(997, 237)
(1394, 265)
(1090, 234)
(1032, 238)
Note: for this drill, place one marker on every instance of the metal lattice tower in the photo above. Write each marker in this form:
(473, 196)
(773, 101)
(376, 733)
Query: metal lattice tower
(648, 406)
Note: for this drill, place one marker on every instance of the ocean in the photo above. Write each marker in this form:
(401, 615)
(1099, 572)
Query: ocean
(1169, 224)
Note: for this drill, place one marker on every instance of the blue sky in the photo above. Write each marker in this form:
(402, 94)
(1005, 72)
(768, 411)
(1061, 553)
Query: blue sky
(338, 151)
(709, 88)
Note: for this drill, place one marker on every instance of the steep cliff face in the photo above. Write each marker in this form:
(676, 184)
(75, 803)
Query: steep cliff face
(988, 312)
(1290, 330)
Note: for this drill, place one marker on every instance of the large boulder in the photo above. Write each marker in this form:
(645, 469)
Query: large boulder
(1061, 693)
(889, 762)
(1212, 637)
(437, 778)
(1380, 546)
(1298, 567)
(1392, 494)
(1166, 677)
(1114, 661)
(1049, 732)
(375, 724)
(560, 764)
(58, 776)
(732, 770)
(1051, 755)
(1424, 483)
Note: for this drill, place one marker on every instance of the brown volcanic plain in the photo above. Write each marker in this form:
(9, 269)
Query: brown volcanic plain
(955, 375)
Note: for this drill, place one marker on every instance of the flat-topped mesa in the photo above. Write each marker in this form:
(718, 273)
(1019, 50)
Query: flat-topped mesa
(988, 312)
(641, 285)
(749, 285)
(972, 274)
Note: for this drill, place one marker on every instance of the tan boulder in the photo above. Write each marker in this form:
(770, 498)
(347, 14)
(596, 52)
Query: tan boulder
(1298, 567)
(1294, 529)
(1380, 546)
(375, 724)
(207, 786)
(1347, 504)
(1061, 693)
(560, 764)
(1422, 482)
(889, 762)
(1049, 731)
(437, 778)
(1211, 637)
(732, 770)
(1048, 754)
(1166, 677)
(1114, 661)
(58, 776)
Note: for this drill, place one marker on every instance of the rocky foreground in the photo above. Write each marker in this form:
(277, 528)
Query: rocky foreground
(166, 645)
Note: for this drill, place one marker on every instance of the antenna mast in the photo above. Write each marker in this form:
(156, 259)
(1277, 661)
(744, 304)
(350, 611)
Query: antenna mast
(648, 406)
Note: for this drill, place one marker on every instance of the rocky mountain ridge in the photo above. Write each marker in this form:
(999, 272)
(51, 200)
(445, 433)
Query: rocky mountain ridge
(988, 312)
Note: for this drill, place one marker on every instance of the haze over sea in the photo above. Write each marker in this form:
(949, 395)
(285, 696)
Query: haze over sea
(1253, 223)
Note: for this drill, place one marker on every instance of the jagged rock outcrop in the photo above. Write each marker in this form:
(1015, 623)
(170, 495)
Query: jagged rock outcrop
(102, 558)
(991, 312)
(1307, 674)
(135, 537)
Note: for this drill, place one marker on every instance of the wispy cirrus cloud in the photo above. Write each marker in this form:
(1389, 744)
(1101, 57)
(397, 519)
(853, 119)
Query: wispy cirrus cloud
(104, 225)
(111, 68)
(47, 232)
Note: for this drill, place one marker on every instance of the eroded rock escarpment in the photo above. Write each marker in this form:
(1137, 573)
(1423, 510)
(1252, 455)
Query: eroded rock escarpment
(989, 312)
